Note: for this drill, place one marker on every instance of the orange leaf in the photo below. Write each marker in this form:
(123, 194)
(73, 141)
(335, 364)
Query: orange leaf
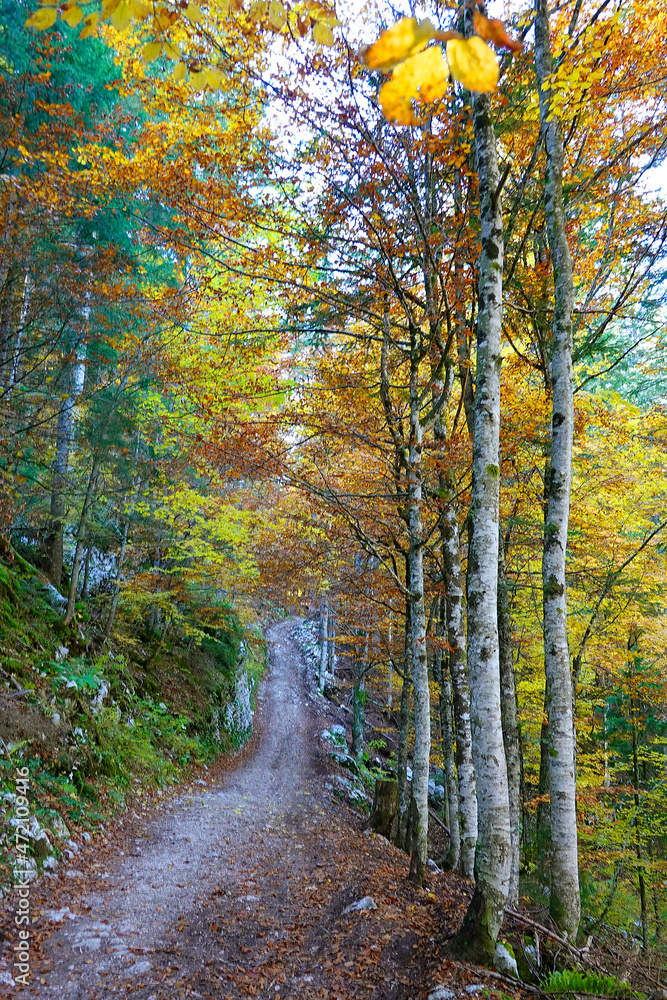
(493, 30)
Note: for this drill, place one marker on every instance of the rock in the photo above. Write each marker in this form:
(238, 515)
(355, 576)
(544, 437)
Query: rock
(474, 988)
(361, 906)
(61, 653)
(26, 869)
(50, 864)
(58, 916)
(73, 873)
(59, 827)
(41, 845)
(6, 979)
(439, 793)
(344, 759)
(138, 969)
(54, 597)
(441, 993)
(505, 962)
(86, 836)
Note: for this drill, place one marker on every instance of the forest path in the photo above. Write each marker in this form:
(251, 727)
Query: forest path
(240, 889)
(204, 847)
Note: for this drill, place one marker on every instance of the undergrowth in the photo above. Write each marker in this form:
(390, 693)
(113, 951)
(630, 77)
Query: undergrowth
(100, 728)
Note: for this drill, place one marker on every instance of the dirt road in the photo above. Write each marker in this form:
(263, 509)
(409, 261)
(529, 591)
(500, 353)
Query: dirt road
(238, 889)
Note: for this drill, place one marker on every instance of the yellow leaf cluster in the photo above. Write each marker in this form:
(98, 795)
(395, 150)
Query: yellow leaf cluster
(473, 64)
(421, 73)
(403, 40)
(424, 77)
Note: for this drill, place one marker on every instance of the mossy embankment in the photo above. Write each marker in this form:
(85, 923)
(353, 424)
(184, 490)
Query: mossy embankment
(99, 725)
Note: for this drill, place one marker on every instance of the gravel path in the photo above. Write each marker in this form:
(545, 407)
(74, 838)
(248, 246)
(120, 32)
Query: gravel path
(201, 846)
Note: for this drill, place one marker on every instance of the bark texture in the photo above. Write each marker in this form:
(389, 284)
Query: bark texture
(422, 698)
(456, 640)
(564, 901)
(443, 680)
(81, 537)
(510, 717)
(477, 936)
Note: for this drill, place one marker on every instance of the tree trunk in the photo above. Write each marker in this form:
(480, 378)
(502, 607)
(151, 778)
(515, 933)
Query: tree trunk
(477, 936)
(403, 741)
(116, 590)
(324, 643)
(451, 552)
(57, 511)
(384, 814)
(358, 703)
(86, 573)
(422, 698)
(331, 646)
(565, 905)
(443, 680)
(508, 707)
(81, 536)
(543, 819)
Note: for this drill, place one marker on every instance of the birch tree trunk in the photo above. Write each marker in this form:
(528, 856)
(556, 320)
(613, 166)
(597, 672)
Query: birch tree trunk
(81, 537)
(442, 678)
(508, 707)
(477, 936)
(565, 903)
(403, 737)
(422, 697)
(57, 511)
(331, 646)
(451, 554)
(324, 640)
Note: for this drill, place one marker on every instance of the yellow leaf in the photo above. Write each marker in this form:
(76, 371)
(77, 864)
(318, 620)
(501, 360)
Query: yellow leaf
(214, 77)
(152, 51)
(89, 25)
(42, 19)
(473, 64)
(193, 13)
(423, 76)
(277, 14)
(221, 5)
(258, 10)
(392, 47)
(198, 80)
(180, 71)
(172, 52)
(322, 34)
(72, 16)
(140, 11)
(122, 16)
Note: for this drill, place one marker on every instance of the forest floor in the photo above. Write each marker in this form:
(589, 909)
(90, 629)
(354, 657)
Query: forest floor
(236, 886)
